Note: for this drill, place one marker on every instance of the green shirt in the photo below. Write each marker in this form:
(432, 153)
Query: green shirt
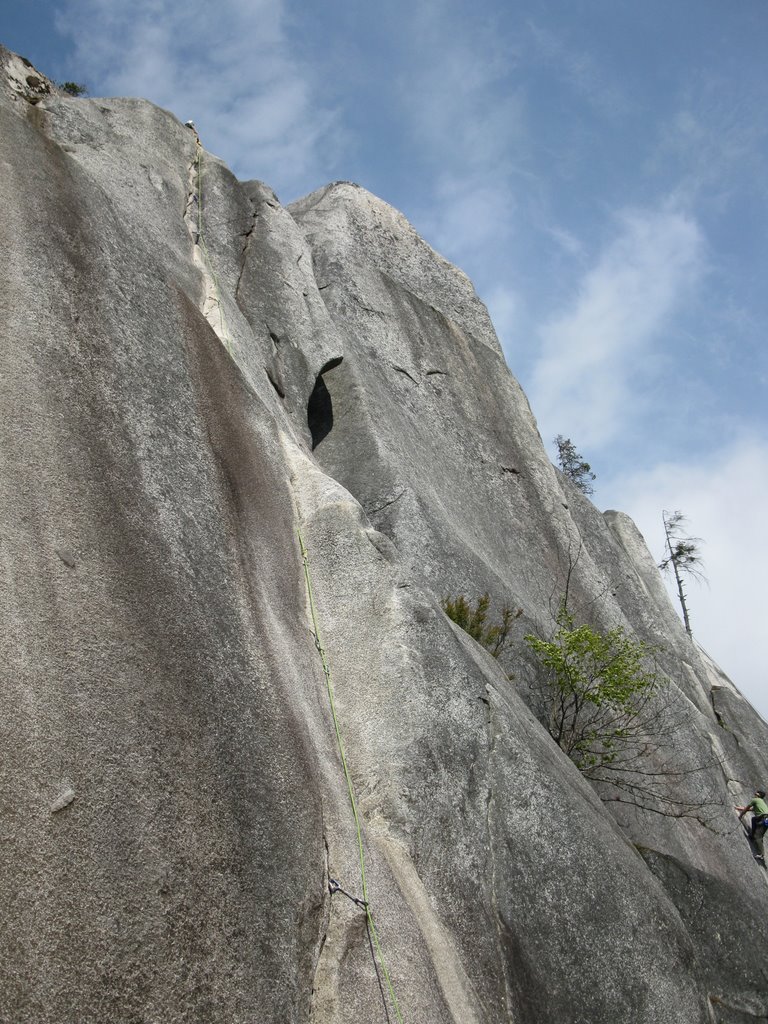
(758, 807)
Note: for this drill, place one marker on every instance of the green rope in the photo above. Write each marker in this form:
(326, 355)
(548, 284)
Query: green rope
(347, 776)
(206, 255)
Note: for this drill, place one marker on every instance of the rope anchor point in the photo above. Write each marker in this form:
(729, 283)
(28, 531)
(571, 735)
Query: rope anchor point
(334, 887)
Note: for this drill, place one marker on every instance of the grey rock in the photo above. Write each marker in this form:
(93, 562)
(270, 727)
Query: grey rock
(67, 557)
(20, 81)
(64, 799)
(731, 955)
(191, 372)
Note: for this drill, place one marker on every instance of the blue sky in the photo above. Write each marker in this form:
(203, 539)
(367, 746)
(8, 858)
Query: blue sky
(598, 167)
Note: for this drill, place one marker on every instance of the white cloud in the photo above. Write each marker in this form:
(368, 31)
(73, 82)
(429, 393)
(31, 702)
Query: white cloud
(713, 139)
(582, 380)
(468, 214)
(565, 240)
(724, 498)
(463, 112)
(228, 66)
(466, 118)
(460, 92)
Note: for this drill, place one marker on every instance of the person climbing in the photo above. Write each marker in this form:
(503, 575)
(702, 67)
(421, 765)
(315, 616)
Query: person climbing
(193, 129)
(759, 809)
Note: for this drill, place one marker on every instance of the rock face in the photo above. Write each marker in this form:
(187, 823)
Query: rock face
(190, 374)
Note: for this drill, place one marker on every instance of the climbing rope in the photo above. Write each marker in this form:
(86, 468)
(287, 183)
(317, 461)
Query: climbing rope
(334, 886)
(204, 249)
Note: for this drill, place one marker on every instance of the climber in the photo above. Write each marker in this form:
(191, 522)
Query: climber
(759, 809)
(193, 129)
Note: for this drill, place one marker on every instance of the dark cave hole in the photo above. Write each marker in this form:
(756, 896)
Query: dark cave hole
(320, 406)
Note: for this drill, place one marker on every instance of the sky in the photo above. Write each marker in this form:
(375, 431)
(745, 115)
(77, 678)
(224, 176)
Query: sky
(598, 167)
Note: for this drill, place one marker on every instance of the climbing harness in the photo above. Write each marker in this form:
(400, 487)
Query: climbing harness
(333, 885)
(201, 242)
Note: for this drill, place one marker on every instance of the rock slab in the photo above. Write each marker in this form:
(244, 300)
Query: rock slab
(191, 373)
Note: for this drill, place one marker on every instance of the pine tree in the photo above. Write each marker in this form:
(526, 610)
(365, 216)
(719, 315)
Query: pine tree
(573, 465)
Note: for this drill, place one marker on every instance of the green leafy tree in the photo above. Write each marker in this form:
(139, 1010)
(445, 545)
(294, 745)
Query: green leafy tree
(600, 683)
(682, 557)
(617, 717)
(573, 465)
(475, 621)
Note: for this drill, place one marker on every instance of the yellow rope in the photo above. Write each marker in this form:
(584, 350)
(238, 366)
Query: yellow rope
(347, 776)
(206, 255)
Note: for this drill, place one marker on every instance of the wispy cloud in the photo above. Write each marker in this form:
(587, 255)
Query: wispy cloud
(228, 66)
(581, 384)
(465, 215)
(461, 110)
(465, 114)
(578, 69)
(713, 141)
(724, 497)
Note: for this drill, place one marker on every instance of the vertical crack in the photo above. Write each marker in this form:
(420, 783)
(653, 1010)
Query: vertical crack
(489, 807)
(190, 214)
(324, 925)
(246, 236)
(212, 305)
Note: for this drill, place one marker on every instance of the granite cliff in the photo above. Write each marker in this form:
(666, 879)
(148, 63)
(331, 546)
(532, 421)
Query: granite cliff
(191, 372)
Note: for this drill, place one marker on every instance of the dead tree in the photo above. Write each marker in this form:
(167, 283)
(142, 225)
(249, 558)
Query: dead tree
(683, 557)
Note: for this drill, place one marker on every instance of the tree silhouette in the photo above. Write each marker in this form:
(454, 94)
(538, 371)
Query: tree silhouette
(683, 558)
(573, 465)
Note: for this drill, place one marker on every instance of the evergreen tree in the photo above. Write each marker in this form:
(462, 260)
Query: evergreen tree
(573, 465)
(73, 88)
